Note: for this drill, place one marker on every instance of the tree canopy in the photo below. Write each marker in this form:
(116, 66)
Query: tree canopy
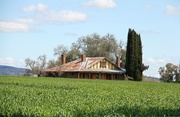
(93, 45)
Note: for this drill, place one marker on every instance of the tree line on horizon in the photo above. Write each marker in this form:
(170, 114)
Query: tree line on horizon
(107, 46)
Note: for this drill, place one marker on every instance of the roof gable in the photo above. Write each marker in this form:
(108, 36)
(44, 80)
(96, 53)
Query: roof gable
(104, 64)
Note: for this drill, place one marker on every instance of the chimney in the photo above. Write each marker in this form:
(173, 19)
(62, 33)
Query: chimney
(63, 59)
(118, 61)
(83, 58)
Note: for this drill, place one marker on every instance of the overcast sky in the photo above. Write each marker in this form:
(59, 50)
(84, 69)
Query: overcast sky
(29, 28)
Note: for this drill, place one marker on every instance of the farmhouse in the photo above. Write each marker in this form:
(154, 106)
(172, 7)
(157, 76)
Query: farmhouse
(88, 68)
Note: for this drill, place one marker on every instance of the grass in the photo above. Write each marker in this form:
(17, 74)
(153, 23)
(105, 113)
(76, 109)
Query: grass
(27, 96)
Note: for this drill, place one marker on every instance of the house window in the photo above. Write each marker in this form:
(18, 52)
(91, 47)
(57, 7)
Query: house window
(70, 75)
(97, 76)
(103, 64)
(116, 76)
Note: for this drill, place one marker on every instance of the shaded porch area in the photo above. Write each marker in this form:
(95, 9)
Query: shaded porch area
(90, 74)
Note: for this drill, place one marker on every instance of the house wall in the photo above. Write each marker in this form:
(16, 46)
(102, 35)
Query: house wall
(104, 76)
(84, 75)
(64, 75)
(75, 75)
(51, 74)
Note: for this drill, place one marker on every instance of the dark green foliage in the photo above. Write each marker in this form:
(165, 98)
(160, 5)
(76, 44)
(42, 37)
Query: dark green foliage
(134, 66)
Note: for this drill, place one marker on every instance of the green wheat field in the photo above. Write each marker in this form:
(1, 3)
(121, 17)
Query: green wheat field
(65, 97)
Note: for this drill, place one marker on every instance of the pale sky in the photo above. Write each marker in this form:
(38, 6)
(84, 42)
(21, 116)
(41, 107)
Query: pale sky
(29, 28)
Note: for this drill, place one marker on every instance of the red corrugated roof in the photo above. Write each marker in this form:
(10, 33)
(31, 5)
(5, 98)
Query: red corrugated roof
(77, 65)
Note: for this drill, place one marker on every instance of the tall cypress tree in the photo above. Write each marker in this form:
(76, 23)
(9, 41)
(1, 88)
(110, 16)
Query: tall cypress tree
(140, 65)
(134, 64)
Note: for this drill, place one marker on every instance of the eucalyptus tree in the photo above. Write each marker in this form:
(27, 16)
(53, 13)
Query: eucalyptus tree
(170, 73)
(36, 66)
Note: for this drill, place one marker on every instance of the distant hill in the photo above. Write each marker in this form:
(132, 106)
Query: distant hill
(11, 71)
(150, 78)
